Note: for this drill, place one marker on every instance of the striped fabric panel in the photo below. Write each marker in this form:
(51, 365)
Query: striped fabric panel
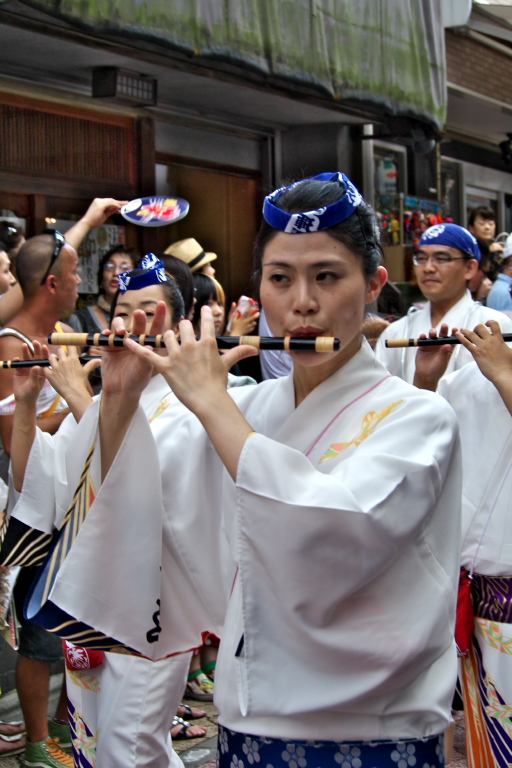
(22, 545)
(55, 620)
(39, 608)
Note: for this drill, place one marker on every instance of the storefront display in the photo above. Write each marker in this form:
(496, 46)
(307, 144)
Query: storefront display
(403, 219)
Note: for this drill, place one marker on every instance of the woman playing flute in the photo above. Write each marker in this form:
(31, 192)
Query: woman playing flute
(329, 502)
(122, 706)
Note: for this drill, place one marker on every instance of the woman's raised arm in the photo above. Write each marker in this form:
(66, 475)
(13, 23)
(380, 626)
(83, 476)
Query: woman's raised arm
(492, 355)
(124, 378)
(28, 383)
(197, 375)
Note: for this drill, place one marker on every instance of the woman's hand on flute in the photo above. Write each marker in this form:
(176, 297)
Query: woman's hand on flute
(71, 379)
(194, 369)
(432, 362)
(197, 375)
(28, 382)
(122, 372)
(492, 355)
(124, 378)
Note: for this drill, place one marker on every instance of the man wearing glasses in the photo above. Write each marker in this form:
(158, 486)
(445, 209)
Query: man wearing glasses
(47, 272)
(447, 259)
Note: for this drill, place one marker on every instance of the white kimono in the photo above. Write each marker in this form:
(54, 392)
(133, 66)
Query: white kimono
(486, 436)
(121, 711)
(465, 314)
(337, 549)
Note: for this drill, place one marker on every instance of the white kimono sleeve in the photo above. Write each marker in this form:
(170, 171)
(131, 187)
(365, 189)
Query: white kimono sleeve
(45, 480)
(112, 576)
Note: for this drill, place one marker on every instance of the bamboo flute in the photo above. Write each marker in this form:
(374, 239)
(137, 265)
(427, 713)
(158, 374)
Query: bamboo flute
(5, 364)
(288, 343)
(437, 342)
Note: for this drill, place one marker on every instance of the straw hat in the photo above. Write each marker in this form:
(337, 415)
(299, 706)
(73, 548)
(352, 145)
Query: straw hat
(191, 253)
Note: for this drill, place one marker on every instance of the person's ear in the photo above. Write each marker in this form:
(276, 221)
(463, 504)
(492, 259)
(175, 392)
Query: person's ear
(51, 283)
(376, 283)
(471, 269)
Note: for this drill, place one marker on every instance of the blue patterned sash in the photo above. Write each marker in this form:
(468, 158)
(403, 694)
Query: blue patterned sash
(239, 750)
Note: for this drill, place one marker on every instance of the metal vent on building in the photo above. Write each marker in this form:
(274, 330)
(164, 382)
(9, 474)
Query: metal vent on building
(123, 85)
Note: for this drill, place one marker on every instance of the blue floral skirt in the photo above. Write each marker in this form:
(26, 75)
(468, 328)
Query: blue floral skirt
(239, 750)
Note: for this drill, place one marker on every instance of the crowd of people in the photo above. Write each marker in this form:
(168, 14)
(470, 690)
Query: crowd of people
(293, 545)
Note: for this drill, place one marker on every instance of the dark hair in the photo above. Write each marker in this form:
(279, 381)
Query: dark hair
(496, 262)
(183, 276)
(482, 210)
(171, 292)
(206, 289)
(490, 262)
(130, 253)
(359, 233)
(484, 256)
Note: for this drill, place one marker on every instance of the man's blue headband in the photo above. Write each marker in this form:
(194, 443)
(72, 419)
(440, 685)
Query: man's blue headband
(454, 237)
(154, 273)
(312, 221)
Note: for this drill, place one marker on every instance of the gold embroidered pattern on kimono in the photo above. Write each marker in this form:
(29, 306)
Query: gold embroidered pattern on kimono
(165, 403)
(370, 422)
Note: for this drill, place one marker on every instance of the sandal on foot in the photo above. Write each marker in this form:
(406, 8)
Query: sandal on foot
(184, 732)
(190, 713)
(11, 745)
(12, 729)
(199, 687)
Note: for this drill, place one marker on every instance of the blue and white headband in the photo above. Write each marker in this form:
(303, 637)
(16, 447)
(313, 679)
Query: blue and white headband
(312, 221)
(453, 236)
(154, 273)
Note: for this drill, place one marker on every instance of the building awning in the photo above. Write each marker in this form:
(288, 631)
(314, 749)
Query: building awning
(387, 56)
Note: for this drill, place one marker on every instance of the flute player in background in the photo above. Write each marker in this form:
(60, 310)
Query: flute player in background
(122, 706)
(481, 396)
(46, 293)
(338, 636)
(47, 271)
(447, 259)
